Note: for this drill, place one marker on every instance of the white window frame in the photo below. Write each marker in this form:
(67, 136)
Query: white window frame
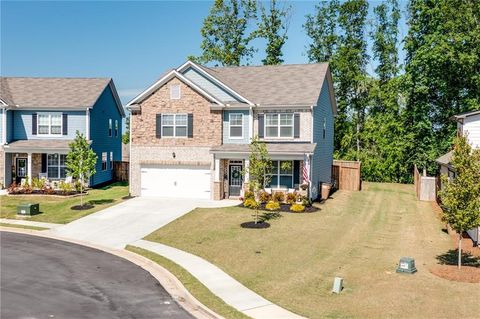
(277, 173)
(230, 126)
(324, 128)
(49, 114)
(104, 161)
(172, 96)
(279, 126)
(110, 128)
(59, 166)
(175, 125)
(116, 128)
(111, 160)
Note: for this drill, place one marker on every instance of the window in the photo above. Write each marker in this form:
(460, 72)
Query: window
(110, 127)
(56, 167)
(116, 128)
(281, 174)
(324, 127)
(279, 125)
(49, 124)
(236, 125)
(104, 161)
(111, 160)
(174, 125)
(175, 92)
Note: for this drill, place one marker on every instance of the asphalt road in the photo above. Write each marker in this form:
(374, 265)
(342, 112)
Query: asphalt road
(46, 278)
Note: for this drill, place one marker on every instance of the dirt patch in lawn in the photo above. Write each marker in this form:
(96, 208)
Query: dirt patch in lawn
(451, 272)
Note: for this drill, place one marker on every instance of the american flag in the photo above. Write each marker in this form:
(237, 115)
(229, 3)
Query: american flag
(306, 168)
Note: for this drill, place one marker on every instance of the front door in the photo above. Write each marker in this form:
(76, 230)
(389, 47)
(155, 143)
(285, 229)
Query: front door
(21, 169)
(235, 181)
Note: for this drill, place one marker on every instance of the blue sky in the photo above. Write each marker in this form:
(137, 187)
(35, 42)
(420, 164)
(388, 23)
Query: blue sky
(131, 41)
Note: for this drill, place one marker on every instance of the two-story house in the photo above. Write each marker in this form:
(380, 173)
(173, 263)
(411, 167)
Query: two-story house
(191, 130)
(39, 117)
(467, 124)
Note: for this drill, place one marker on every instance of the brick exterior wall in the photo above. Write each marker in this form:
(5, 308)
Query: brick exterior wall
(146, 148)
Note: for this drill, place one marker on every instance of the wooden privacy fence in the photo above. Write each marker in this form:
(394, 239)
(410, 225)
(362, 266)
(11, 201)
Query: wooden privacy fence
(120, 171)
(425, 186)
(346, 175)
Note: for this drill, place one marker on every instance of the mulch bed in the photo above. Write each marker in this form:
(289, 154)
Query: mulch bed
(451, 272)
(285, 208)
(55, 193)
(82, 207)
(252, 224)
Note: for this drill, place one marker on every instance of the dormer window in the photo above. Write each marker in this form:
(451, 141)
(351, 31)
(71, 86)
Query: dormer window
(175, 92)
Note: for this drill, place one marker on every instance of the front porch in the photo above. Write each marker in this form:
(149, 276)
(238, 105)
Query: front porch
(25, 160)
(287, 173)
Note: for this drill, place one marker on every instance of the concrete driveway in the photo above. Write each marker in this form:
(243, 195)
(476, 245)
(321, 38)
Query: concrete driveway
(125, 223)
(47, 278)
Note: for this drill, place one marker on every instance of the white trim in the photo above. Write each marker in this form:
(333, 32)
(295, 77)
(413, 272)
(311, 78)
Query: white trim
(217, 170)
(110, 128)
(176, 86)
(230, 125)
(3, 102)
(250, 123)
(279, 126)
(312, 123)
(49, 124)
(106, 161)
(174, 125)
(212, 78)
(111, 160)
(87, 124)
(4, 126)
(115, 128)
(164, 79)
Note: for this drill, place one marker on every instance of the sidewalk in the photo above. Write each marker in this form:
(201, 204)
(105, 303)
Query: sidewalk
(29, 223)
(221, 284)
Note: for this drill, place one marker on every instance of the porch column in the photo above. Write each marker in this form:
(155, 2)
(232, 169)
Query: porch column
(29, 167)
(217, 170)
(247, 177)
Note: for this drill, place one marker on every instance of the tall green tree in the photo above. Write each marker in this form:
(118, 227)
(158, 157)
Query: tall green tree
(460, 196)
(126, 135)
(81, 161)
(443, 72)
(273, 27)
(226, 38)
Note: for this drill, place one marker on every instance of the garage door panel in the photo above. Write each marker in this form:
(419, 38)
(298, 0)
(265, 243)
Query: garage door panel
(176, 181)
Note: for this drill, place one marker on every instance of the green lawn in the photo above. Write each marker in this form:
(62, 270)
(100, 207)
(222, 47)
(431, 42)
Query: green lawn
(195, 287)
(22, 226)
(58, 210)
(359, 236)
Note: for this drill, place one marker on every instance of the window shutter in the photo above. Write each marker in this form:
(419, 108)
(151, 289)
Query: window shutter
(34, 124)
(190, 125)
(260, 125)
(44, 163)
(296, 172)
(158, 125)
(296, 125)
(64, 124)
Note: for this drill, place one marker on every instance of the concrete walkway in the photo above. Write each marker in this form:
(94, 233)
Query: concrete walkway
(221, 284)
(127, 222)
(29, 223)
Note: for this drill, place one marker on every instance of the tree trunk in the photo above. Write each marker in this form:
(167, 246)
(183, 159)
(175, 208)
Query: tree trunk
(460, 250)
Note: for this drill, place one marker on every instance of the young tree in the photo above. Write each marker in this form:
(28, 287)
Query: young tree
(461, 196)
(273, 27)
(224, 32)
(260, 163)
(81, 161)
(126, 135)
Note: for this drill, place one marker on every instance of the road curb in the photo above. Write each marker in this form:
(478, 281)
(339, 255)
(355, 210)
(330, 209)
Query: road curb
(171, 284)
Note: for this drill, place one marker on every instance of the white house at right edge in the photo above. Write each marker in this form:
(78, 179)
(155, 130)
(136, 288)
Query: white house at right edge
(191, 130)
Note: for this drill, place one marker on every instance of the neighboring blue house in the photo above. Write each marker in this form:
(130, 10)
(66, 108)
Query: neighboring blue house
(39, 117)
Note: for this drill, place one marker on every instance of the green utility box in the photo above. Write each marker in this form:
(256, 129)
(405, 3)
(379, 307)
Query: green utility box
(406, 265)
(28, 209)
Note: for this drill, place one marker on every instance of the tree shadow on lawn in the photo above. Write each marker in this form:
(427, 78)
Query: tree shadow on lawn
(101, 201)
(451, 258)
(269, 215)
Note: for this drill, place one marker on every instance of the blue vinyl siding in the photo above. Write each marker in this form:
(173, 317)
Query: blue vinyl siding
(226, 128)
(1, 125)
(208, 85)
(22, 124)
(323, 155)
(102, 111)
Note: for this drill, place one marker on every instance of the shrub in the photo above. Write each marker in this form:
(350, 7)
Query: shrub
(249, 195)
(38, 183)
(66, 188)
(291, 198)
(264, 197)
(279, 197)
(297, 208)
(306, 201)
(273, 206)
(251, 203)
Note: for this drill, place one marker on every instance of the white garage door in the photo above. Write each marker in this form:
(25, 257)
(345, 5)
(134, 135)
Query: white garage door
(176, 181)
